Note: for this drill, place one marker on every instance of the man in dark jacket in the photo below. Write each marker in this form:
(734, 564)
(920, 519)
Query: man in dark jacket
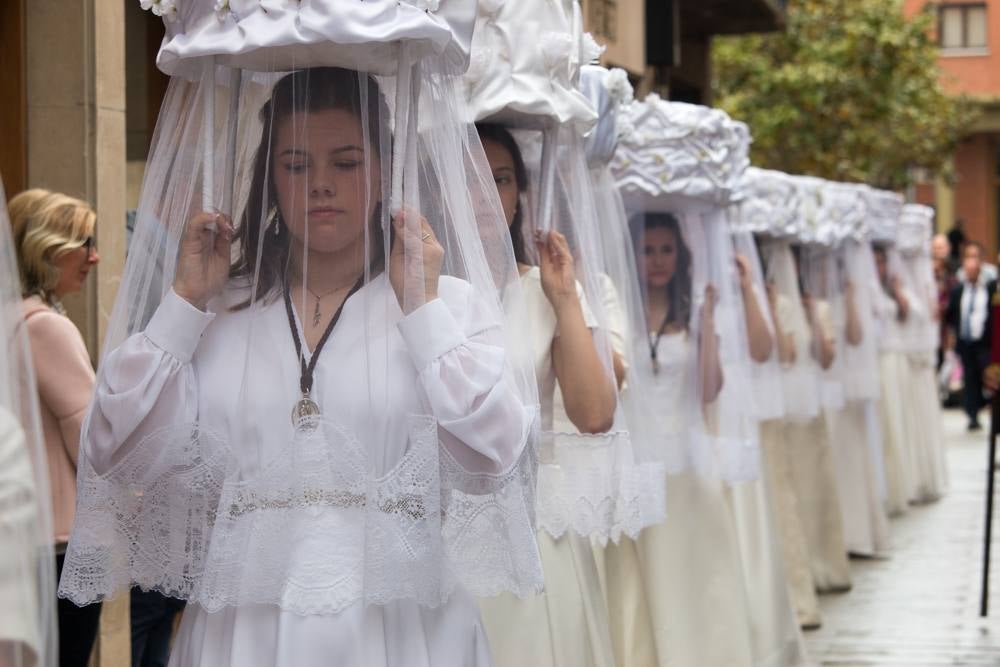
(970, 315)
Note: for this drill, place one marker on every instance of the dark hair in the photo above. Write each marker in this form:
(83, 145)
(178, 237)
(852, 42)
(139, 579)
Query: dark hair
(980, 248)
(679, 289)
(502, 136)
(303, 91)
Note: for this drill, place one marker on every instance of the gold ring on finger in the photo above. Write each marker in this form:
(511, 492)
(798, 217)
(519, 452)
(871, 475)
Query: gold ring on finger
(426, 236)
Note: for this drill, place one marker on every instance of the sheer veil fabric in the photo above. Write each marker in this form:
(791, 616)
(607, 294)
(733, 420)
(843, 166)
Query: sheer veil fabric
(313, 421)
(764, 509)
(523, 83)
(811, 464)
(27, 566)
(618, 562)
(928, 469)
(677, 172)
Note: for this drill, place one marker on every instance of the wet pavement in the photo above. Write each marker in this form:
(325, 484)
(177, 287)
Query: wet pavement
(920, 607)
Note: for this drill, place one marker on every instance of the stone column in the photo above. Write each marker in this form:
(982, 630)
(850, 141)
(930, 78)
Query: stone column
(76, 131)
(75, 72)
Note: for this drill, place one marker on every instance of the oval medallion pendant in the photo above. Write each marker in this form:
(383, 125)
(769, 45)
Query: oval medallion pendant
(305, 414)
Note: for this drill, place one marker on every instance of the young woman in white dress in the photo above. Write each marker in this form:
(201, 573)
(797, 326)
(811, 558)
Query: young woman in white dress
(776, 638)
(801, 403)
(568, 624)
(812, 464)
(689, 565)
(928, 469)
(302, 439)
(866, 525)
(892, 308)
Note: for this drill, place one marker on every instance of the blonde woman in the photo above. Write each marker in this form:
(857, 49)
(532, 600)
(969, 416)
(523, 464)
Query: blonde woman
(54, 242)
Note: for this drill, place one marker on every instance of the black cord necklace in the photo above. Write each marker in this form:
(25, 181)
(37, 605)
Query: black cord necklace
(654, 343)
(305, 411)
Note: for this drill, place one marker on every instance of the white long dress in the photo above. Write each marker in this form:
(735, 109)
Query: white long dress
(799, 388)
(928, 469)
(775, 634)
(690, 564)
(20, 634)
(816, 488)
(894, 408)
(866, 526)
(567, 625)
(788, 522)
(188, 362)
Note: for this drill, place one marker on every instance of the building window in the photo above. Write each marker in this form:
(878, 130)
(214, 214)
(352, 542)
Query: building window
(962, 26)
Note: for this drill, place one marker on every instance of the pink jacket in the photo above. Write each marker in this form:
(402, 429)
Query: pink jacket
(65, 385)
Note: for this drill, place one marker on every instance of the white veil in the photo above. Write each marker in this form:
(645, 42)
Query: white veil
(314, 400)
(679, 171)
(27, 565)
(533, 95)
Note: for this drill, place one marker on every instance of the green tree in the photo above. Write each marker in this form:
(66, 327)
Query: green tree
(849, 91)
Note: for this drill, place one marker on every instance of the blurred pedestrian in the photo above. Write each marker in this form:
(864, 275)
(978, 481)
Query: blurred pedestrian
(55, 247)
(956, 240)
(970, 316)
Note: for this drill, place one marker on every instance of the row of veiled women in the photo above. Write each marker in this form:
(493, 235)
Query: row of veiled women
(435, 348)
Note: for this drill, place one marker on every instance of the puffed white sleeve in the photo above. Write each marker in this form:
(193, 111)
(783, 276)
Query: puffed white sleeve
(456, 344)
(146, 383)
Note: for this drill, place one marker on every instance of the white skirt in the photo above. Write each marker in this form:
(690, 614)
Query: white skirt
(927, 460)
(400, 634)
(628, 608)
(866, 526)
(693, 577)
(788, 520)
(818, 503)
(898, 422)
(775, 635)
(566, 626)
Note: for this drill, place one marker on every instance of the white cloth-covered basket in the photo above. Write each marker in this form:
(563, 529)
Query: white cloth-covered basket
(681, 150)
(529, 87)
(272, 35)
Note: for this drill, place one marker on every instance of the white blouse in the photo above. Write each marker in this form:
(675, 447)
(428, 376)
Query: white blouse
(315, 527)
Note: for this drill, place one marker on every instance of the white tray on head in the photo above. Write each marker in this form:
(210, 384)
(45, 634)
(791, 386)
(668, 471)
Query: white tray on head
(525, 65)
(681, 154)
(884, 209)
(765, 203)
(916, 227)
(281, 35)
(845, 213)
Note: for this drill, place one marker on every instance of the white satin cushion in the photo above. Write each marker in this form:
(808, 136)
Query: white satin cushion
(681, 150)
(273, 35)
(884, 208)
(764, 204)
(526, 57)
(915, 227)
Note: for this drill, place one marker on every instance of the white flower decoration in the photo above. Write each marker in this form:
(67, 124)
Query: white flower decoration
(556, 49)
(624, 127)
(590, 50)
(222, 9)
(617, 84)
(164, 8)
(146, 5)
